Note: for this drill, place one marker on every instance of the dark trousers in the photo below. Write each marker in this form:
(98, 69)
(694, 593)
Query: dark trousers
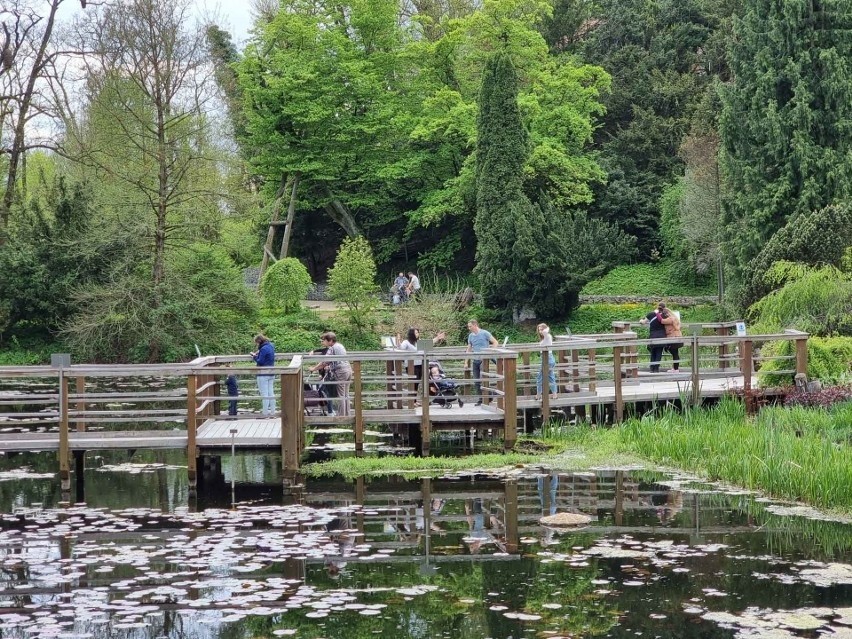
(673, 349)
(233, 391)
(656, 356)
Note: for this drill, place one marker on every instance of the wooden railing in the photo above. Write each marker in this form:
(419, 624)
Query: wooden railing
(384, 388)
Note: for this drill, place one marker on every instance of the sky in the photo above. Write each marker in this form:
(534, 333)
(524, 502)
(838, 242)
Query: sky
(233, 15)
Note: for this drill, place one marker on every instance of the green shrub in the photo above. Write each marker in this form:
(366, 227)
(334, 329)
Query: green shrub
(820, 237)
(815, 300)
(202, 301)
(661, 279)
(829, 360)
(285, 284)
(352, 282)
(598, 318)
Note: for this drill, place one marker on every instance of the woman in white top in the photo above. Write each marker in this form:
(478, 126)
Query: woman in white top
(546, 339)
(410, 344)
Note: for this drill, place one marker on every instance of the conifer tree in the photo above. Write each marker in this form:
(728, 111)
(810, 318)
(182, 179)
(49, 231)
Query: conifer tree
(785, 125)
(504, 215)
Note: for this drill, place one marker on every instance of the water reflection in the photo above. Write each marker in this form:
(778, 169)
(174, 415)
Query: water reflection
(448, 557)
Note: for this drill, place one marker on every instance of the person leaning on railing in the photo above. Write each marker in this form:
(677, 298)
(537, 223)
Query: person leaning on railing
(340, 373)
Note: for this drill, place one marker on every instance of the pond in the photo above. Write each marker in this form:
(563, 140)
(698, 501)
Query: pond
(462, 556)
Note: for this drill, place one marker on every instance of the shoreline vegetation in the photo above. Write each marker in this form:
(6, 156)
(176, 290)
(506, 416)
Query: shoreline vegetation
(797, 454)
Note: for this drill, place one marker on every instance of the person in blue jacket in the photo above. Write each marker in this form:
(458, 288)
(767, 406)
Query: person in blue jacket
(265, 356)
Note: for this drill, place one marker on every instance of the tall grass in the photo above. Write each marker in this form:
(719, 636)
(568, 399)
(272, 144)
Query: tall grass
(792, 453)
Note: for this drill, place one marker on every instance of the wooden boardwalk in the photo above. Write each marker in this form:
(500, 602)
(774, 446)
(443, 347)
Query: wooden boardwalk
(67, 408)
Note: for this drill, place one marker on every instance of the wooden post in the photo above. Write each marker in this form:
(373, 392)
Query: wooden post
(575, 370)
(389, 385)
(64, 444)
(562, 372)
(527, 373)
(409, 385)
(616, 372)
(397, 373)
(721, 331)
(746, 364)
(191, 426)
(80, 388)
(483, 370)
(359, 405)
(511, 517)
(593, 371)
(545, 388)
(696, 372)
(510, 404)
(292, 419)
(425, 423)
(501, 385)
(802, 355)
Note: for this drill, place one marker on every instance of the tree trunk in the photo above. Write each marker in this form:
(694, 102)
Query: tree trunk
(20, 128)
(270, 234)
(162, 200)
(291, 214)
(338, 212)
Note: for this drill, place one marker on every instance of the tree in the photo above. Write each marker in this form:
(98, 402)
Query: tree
(818, 238)
(663, 60)
(146, 128)
(285, 284)
(785, 120)
(27, 58)
(505, 239)
(352, 281)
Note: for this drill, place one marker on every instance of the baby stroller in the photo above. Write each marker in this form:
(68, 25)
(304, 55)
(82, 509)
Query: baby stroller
(442, 391)
(315, 397)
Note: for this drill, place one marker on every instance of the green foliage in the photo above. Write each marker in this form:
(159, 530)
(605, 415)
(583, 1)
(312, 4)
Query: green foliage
(352, 282)
(817, 237)
(784, 124)
(590, 319)
(297, 332)
(504, 222)
(285, 284)
(662, 61)
(430, 312)
(47, 253)
(660, 279)
(129, 319)
(670, 233)
(817, 300)
(829, 360)
(528, 255)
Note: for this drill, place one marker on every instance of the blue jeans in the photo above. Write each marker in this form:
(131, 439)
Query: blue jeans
(266, 388)
(551, 376)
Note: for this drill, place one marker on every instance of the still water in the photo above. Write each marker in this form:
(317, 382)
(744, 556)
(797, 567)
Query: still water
(463, 556)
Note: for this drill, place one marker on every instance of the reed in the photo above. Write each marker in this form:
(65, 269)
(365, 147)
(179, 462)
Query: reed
(791, 453)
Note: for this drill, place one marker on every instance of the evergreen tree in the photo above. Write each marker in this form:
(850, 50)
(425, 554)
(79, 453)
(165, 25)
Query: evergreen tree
(504, 214)
(785, 126)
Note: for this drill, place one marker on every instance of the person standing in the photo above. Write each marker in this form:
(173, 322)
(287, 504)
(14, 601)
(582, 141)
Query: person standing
(546, 341)
(654, 321)
(477, 341)
(400, 285)
(413, 285)
(340, 372)
(265, 356)
(671, 321)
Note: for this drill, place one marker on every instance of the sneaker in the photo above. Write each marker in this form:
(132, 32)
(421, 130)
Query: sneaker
(478, 403)
(332, 413)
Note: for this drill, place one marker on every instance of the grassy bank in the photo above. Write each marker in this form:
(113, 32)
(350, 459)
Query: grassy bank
(797, 453)
(790, 453)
